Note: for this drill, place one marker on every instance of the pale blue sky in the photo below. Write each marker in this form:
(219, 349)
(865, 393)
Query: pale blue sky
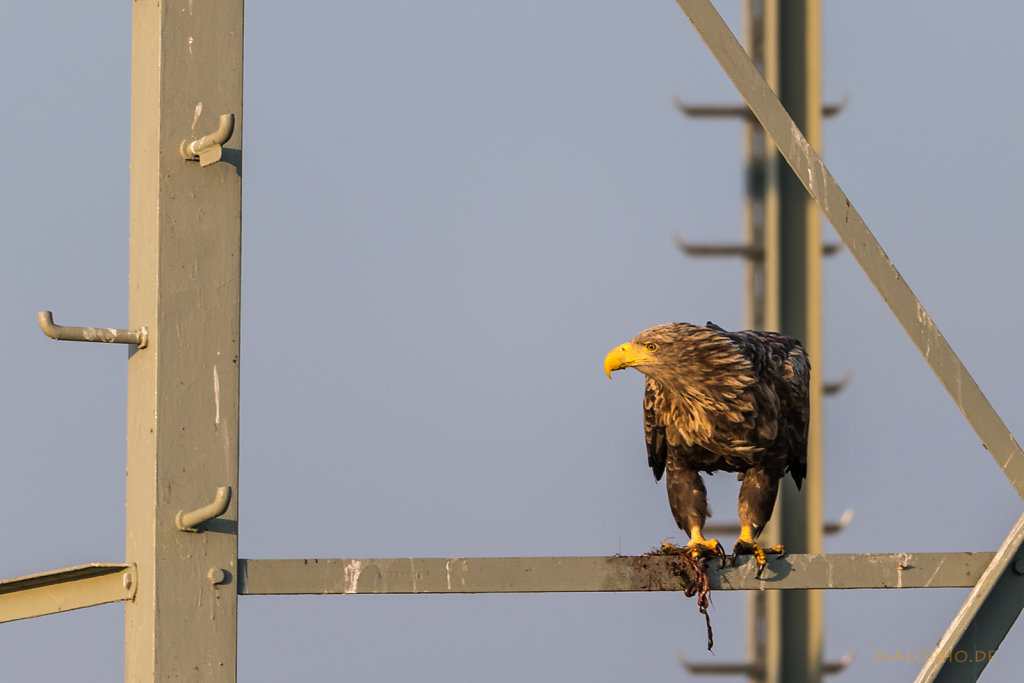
(484, 207)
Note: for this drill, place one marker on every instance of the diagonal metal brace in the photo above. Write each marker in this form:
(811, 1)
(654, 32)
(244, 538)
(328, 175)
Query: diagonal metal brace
(985, 618)
(62, 590)
(820, 184)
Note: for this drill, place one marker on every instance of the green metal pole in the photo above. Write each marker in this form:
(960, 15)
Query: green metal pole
(761, 229)
(800, 254)
(185, 256)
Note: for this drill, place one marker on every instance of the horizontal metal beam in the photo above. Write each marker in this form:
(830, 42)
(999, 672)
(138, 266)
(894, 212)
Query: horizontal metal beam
(753, 670)
(741, 110)
(604, 574)
(747, 251)
(820, 184)
(463, 575)
(65, 589)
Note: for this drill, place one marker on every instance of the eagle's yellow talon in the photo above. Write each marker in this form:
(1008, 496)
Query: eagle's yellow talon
(746, 545)
(750, 547)
(704, 548)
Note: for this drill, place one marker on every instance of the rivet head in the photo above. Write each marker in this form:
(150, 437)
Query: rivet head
(216, 575)
(1018, 566)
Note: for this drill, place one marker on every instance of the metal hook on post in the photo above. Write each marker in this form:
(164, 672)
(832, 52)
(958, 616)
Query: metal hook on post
(188, 521)
(91, 334)
(207, 149)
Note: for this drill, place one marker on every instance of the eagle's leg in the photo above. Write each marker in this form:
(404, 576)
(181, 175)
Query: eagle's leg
(689, 502)
(757, 501)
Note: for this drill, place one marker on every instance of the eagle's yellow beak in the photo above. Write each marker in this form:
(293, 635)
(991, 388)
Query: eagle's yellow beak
(626, 356)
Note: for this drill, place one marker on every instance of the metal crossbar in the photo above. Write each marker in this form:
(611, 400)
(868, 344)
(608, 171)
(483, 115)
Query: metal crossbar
(604, 574)
(96, 584)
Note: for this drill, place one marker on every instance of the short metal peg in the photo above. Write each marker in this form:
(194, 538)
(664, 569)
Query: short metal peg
(91, 334)
(207, 149)
(188, 521)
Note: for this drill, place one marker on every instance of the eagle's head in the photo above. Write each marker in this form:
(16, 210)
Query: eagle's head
(652, 350)
(686, 358)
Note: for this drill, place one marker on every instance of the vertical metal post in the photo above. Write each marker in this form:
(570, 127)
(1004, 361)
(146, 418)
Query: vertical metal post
(760, 207)
(182, 427)
(761, 229)
(800, 254)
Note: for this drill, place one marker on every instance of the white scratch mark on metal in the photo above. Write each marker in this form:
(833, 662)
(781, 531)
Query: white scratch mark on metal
(216, 396)
(195, 118)
(412, 571)
(448, 571)
(352, 571)
(928, 583)
(190, 41)
(925, 321)
(802, 154)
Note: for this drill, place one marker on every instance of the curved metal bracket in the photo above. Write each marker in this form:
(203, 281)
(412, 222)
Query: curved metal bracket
(207, 149)
(188, 521)
(91, 334)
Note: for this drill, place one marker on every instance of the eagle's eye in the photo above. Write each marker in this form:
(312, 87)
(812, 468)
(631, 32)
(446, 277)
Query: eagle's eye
(651, 346)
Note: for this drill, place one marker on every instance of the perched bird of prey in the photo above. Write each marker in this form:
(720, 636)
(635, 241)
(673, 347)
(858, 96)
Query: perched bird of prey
(721, 401)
